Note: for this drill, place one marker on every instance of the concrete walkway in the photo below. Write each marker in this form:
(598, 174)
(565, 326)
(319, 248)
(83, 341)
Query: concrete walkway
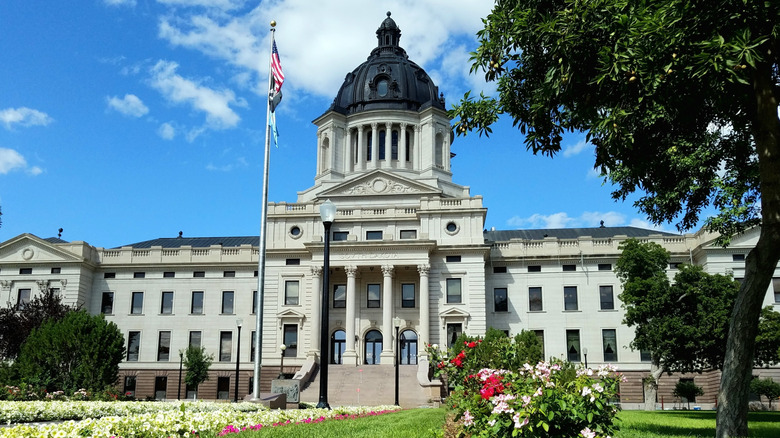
(368, 385)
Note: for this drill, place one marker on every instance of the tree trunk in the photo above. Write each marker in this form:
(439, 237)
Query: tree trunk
(759, 265)
(651, 384)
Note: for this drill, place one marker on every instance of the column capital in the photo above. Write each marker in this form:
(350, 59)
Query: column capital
(351, 270)
(387, 270)
(316, 271)
(423, 269)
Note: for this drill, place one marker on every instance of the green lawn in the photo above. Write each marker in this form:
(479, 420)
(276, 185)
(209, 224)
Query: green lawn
(419, 423)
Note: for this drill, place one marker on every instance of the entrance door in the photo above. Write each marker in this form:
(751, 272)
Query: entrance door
(373, 342)
(338, 343)
(408, 347)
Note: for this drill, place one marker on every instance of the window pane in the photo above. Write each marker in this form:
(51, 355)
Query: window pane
(535, 299)
(195, 338)
(606, 297)
(225, 346)
(453, 290)
(573, 345)
(129, 386)
(540, 336)
(164, 346)
(291, 340)
(609, 340)
(227, 302)
(197, 303)
(776, 288)
(166, 306)
(373, 235)
(373, 293)
(408, 234)
(570, 298)
(107, 303)
(291, 293)
(23, 297)
(138, 303)
(339, 296)
(500, 300)
(407, 295)
(133, 345)
(339, 236)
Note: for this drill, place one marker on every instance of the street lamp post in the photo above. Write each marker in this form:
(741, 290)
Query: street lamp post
(181, 361)
(397, 324)
(585, 353)
(239, 321)
(327, 213)
(281, 367)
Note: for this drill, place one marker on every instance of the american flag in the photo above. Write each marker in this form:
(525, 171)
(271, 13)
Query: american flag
(276, 69)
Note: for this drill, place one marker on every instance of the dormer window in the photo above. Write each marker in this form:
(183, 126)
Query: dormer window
(381, 88)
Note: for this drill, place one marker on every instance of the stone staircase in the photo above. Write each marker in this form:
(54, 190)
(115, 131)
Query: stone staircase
(369, 385)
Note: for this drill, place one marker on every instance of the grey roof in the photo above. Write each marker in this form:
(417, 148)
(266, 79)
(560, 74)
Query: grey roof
(570, 233)
(55, 240)
(197, 242)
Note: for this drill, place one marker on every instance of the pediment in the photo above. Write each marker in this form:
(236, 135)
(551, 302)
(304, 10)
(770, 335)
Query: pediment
(454, 312)
(746, 239)
(381, 183)
(28, 248)
(290, 314)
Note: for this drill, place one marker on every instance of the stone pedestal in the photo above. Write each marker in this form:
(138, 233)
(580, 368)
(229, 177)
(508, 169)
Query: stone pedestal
(290, 387)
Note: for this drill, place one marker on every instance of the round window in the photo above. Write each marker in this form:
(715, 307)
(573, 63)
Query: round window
(451, 227)
(381, 88)
(295, 232)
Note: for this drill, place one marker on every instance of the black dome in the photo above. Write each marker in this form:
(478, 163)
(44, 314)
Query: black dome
(387, 80)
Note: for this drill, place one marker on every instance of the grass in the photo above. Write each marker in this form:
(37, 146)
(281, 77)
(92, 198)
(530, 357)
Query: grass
(420, 423)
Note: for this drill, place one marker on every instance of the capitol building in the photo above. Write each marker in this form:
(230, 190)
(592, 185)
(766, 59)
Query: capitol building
(409, 253)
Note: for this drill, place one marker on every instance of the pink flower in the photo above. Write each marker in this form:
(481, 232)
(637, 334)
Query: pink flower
(587, 433)
(468, 419)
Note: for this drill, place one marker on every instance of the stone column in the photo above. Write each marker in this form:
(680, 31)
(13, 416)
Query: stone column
(374, 146)
(349, 158)
(361, 149)
(416, 156)
(388, 332)
(316, 297)
(349, 324)
(425, 317)
(402, 147)
(388, 145)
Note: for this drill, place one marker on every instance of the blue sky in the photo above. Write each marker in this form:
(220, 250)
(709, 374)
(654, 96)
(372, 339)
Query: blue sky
(129, 120)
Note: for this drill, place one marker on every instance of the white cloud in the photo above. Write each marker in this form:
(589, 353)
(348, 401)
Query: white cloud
(120, 2)
(555, 220)
(179, 90)
(585, 220)
(130, 105)
(11, 160)
(166, 131)
(24, 117)
(240, 163)
(575, 149)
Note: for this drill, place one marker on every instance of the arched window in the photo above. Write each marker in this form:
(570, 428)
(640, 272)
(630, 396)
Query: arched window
(408, 347)
(338, 343)
(373, 347)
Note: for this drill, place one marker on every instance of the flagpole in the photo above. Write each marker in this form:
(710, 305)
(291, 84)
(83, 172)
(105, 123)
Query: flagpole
(263, 217)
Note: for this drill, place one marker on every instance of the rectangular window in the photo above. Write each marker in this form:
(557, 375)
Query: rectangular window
(109, 275)
(454, 294)
(195, 338)
(164, 347)
(570, 298)
(225, 346)
(166, 303)
(139, 274)
(408, 234)
(196, 306)
(408, 296)
(199, 274)
(160, 387)
(453, 332)
(738, 257)
(223, 388)
(535, 303)
(540, 336)
(25, 271)
(252, 347)
(500, 301)
(776, 288)
(56, 270)
(291, 340)
(339, 236)
(693, 396)
(372, 295)
(674, 265)
(573, 345)
(227, 302)
(606, 297)
(453, 258)
(23, 297)
(605, 266)
(291, 292)
(609, 342)
(129, 386)
(499, 269)
(569, 268)
(137, 305)
(373, 235)
(254, 302)
(133, 346)
(229, 274)
(169, 274)
(292, 262)
(107, 303)
(339, 296)
(535, 268)
(645, 356)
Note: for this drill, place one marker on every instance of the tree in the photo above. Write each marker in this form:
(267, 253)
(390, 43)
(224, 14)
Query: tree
(768, 339)
(766, 387)
(16, 323)
(78, 351)
(197, 363)
(679, 99)
(688, 390)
